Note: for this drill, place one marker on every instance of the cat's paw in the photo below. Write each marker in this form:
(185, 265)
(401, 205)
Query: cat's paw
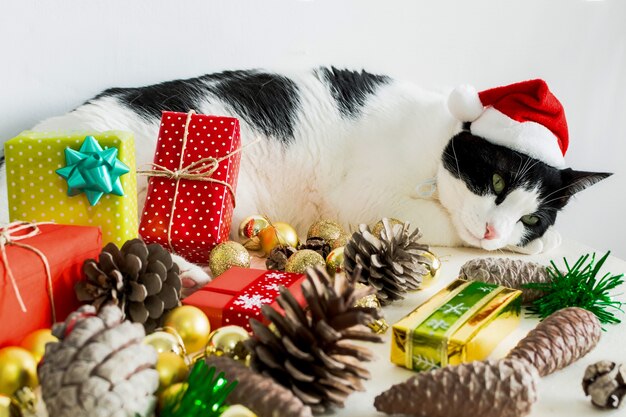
(191, 275)
(551, 239)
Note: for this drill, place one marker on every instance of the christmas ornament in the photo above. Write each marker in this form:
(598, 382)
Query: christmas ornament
(380, 226)
(393, 264)
(328, 230)
(313, 354)
(36, 342)
(226, 255)
(259, 392)
(370, 301)
(561, 339)
(316, 244)
(191, 324)
(93, 170)
(18, 369)
(302, 260)
(171, 368)
(340, 241)
(278, 233)
(238, 410)
(171, 393)
(605, 382)
(334, 261)
(142, 279)
(251, 226)
(504, 388)
(277, 259)
(163, 341)
(228, 341)
(7, 408)
(579, 286)
(99, 367)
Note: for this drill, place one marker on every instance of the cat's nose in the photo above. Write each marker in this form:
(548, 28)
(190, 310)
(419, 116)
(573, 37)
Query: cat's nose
(490, 232)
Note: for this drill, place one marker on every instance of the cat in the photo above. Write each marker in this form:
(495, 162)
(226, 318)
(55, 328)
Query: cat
(354, 147)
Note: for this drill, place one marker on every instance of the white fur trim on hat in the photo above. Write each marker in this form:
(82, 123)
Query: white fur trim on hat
(529, 138)
(464, 103)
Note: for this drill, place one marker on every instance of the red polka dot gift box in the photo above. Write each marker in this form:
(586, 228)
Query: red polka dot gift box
(238, 294)
(192, 183)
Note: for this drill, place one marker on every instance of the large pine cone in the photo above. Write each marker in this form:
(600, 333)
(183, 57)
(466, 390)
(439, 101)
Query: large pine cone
(99, 368)
(311, 354)
(504, 388)
(393, 264)
(141, 279)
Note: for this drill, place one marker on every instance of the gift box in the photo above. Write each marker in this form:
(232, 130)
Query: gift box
(38, 192)
(64, 248)
(191, 190)
(461, 323)
(237, 295)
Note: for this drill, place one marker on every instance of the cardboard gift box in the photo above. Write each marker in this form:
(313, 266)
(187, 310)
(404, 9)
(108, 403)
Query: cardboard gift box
(461, 323)
(38, 193)
(192, 184)
(65, 248)
(237, 295)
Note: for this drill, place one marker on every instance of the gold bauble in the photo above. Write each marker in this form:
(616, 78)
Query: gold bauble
(18, 369)
(334, 261)
(163, 341)
(379, 227)
(171, 368)
(251, 226)
(36, 342)
(238, 410)
(5, 406)
(226, 255)
(228, 341)
(342, 240)
(171, 393)
(327, 230)
(278, 233)
(304, 259)
(191, 324)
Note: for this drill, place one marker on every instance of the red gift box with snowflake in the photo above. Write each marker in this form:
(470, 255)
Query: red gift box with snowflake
(192, 182)
(238, 294)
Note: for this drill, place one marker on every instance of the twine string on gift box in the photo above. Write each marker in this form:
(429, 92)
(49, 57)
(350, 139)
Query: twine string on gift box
(9, 236)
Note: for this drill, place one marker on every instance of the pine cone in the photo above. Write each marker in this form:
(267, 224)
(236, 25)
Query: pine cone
(259, 393)
(493, 388)
(559, 340)
(277, 258)
(605, 381)
(142, 280)
(312, 354)
(512, 273)
(393, 263)
(99, 368)
(318, 245)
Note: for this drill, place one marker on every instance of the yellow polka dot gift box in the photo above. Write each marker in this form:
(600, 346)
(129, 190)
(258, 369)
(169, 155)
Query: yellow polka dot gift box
(80, 178)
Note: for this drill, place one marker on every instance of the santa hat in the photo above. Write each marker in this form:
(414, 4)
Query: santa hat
(525, 117)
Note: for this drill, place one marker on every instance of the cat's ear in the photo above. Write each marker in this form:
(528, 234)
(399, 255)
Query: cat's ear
(576, 181)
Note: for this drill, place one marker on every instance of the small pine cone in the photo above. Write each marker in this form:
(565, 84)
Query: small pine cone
(493, 388)
(100, 367)
(257, 392)
(141, 279)
(313, 354)
(318, 245)
(512, 273)
(393, 264)
(559, 340)
(277, 258)
(605, 381)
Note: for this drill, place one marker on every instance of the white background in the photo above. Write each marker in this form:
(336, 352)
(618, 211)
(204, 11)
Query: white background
(56, 54)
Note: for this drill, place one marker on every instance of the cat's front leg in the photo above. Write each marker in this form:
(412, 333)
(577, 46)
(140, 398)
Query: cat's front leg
(432, 219)
(192, 276)
(551, 239)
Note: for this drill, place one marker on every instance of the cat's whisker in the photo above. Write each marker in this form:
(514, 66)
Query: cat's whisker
(581, 180)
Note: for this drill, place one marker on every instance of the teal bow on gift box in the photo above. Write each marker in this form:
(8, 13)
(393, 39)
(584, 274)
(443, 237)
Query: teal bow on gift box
(93, 171)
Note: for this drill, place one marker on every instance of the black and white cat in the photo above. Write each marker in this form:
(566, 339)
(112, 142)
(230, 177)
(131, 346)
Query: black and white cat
(355, 147)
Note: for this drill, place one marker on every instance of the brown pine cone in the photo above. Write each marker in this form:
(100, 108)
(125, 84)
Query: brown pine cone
(312, 353)
(493, 388)
(277, 258)
(259, 393)
(559, 340)
(316, 244)
(605, 381)
(141, 279)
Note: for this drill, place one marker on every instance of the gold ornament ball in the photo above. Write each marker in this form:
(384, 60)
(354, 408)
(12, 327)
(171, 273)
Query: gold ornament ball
(163, 341)
(227, 341)
(171, 368)
(238, 410)
(334, 261)
(170, 393)
(278, 233)
(342, 240)
(5, 406)
(18, 369)
(327, 230)
(191, 324)
(36, 342)
(379, 226)
(304, 259)
(226, 255)
(251, 226)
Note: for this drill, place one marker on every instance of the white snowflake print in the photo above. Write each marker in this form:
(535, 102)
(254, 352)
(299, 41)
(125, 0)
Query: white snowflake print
(275, 275)
(457, 309)
(424, 364)
(438, 324)
(251, 302)
(272, 287)
(485, 289)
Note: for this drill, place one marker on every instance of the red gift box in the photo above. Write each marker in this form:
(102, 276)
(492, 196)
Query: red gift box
(190, 200)
(65, 248)
(237, 295)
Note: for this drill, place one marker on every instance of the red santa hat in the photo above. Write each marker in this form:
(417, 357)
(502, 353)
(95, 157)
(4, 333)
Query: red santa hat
(525, 117)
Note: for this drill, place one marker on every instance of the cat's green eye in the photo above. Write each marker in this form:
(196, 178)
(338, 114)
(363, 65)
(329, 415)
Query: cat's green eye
(530, 219)
(498, 183)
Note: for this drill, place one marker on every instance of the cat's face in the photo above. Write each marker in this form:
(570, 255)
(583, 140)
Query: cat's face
(499, 197)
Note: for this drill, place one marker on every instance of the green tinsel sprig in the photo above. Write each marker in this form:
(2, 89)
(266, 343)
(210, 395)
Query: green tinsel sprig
(579, 286)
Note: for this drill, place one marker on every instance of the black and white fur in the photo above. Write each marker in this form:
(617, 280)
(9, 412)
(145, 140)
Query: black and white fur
(351, 146)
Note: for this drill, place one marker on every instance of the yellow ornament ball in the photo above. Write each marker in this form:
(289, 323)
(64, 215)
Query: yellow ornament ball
(18, 369)
(304, 259)
(163, 341)
(227, 341)
(36, 342)
(334, 261)
(191, 324)
(238, 410)
(226, 255)
(171, 368)
(170, 393)
(379, 226)
(5, 406)
(327, 230)
(278, 233)
(252, 226)
(342, 240)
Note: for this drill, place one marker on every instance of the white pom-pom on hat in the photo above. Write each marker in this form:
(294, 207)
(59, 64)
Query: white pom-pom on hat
(464, 103)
